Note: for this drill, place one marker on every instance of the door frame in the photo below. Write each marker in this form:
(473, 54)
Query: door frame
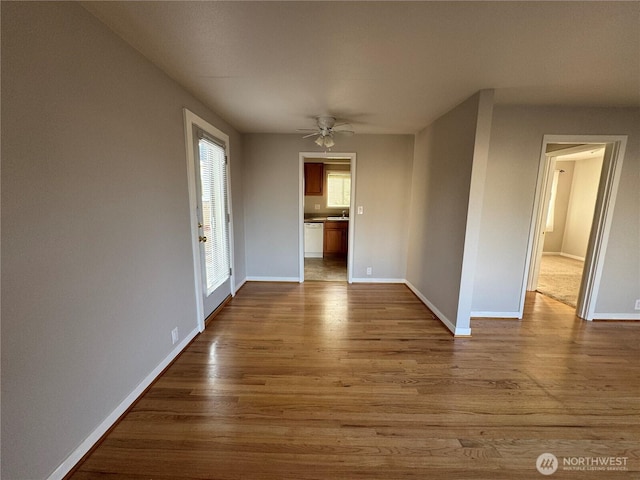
(352, 207)
(601, 225)
(191, 120)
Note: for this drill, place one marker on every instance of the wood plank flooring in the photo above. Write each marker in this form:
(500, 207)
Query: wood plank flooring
(335, 381)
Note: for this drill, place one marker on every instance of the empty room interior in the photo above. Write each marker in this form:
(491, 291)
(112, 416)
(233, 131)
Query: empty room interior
(320, 240)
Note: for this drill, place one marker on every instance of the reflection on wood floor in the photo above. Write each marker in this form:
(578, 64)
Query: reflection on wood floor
(326, 380)
(328, 269)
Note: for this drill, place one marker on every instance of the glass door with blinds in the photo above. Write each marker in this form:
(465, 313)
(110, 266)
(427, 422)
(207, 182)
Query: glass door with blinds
(213, 219)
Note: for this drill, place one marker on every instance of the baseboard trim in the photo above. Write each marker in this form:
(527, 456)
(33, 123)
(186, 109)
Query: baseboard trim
(562, 254)
(568, 255)
(457, 332)
(616, 316)
(72, 460)
(514, 315)
(240, 284)
(378, 280)
(272, 279)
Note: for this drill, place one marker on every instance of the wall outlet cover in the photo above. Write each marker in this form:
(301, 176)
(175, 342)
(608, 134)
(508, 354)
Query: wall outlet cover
(368, 270)
(174, 336)
(638, 304)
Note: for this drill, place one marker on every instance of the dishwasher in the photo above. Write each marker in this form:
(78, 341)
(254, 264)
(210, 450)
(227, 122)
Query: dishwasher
(313, 239)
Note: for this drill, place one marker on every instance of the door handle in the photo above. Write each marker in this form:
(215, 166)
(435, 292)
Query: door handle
(202, 239)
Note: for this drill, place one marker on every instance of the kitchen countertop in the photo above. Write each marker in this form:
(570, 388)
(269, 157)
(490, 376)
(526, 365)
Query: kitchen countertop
(326, 219)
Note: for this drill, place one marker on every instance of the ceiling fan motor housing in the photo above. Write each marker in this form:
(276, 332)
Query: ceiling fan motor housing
(326, 123)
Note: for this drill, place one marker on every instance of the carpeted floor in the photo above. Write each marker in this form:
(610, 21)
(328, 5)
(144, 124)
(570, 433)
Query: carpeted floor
(560, 278)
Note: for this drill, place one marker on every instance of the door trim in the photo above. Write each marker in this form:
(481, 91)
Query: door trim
(352, 208)
(603, 216)
(191, 119)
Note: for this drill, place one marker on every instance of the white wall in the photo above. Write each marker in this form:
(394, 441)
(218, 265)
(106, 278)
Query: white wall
(383, 172)
(96, 251)
(514, 156)
(446, 195)
(581, 205)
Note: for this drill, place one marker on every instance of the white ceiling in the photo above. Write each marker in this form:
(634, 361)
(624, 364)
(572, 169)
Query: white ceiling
(386, 67)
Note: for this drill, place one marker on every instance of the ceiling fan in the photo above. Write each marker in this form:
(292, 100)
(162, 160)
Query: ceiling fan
(326, 128)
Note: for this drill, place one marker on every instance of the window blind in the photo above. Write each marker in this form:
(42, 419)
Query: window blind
(338, 189)
(213, 177)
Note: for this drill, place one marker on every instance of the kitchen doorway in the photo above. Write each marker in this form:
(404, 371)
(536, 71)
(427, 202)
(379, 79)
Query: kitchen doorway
(327, 226)
(593, 236)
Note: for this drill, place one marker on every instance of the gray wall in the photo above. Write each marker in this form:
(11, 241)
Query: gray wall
(96, 253)
(383, 179)
(440, 194)
(516, 142)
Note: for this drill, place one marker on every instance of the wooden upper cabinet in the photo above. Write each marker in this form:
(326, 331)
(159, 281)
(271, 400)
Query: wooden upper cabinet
(313, 179)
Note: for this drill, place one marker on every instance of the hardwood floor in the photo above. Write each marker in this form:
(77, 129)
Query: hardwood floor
(335, 381)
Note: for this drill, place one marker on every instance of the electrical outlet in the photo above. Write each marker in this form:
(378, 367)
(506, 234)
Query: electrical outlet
(316, 206)
(174, 336)
(360, 210)
(638, 304)
(368, 270)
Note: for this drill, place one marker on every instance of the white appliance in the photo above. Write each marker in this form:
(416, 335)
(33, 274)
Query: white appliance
(313, 239)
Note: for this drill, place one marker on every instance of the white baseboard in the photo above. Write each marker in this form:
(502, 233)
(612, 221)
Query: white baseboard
(272, 279)
(240, 284)
(568, 255)
(616, 316)
(457, 332)
(71, 461)
(515, 315)
(378, 280)
(313, 255)
(562, 254)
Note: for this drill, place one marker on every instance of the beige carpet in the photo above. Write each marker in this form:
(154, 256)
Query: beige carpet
(560, 278)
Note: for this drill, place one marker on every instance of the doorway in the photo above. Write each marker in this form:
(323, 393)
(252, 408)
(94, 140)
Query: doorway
(575, 197)
(574, 187)
(327, 199)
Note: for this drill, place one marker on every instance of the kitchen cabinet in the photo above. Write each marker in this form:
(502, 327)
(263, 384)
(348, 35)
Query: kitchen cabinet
(336, 237)
(313, 179)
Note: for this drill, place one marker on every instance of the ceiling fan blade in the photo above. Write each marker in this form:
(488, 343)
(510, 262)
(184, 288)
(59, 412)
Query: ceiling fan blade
(306, 129)
(312, 134)
(343, 124)
(348, 133)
